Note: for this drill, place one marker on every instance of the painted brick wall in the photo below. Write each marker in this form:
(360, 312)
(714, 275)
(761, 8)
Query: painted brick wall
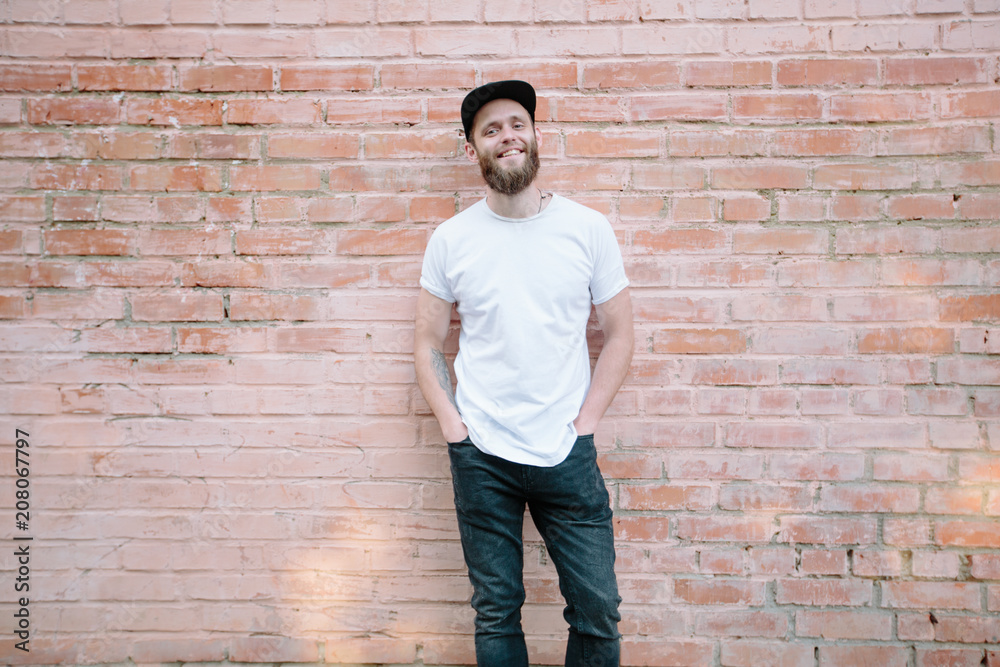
(212, 214)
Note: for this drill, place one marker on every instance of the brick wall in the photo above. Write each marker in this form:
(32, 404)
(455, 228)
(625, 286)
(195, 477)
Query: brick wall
(212, 214)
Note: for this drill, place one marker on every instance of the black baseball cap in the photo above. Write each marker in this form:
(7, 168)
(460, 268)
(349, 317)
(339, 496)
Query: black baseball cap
(519, 91)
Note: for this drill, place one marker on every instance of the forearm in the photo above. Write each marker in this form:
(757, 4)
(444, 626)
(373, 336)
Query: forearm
(434, 380)
(609, 373)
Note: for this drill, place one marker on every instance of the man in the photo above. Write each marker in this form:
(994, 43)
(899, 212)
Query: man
(523, 268)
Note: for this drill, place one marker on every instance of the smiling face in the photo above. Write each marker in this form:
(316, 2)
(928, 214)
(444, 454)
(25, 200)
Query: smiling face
(505, 143)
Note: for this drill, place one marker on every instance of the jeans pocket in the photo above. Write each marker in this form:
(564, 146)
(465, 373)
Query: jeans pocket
(466, 441)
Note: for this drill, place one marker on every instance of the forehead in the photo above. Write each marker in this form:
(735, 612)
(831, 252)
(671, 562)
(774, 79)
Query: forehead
(498, 110)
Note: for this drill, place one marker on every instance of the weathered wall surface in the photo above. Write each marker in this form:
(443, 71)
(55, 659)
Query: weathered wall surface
(212, 214)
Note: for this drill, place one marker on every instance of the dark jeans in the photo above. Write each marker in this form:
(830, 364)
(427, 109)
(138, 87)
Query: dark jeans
(569, 505)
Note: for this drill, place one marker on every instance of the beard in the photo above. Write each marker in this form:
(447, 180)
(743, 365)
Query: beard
(515, 179)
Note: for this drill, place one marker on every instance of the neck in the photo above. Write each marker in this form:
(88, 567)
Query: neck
(524, 204)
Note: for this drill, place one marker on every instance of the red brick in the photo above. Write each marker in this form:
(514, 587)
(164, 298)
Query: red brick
(741, 624)
(225, 78)
(967, 534)
(781, 241)
(880, 107)
(148, 78)
(641, 528)
(134, 340)
(15, 208)
(728, 73)
(862, 177)
(74, 111)
(273, 112)
(776, 106)
(32, 144)
(886, 240)
(854, 207)
(778, 39)
(458, 42)
(431, 208)
(983, 172)
(707, 466)
(824, 593)
(717, 142)
(608, 144)
(567, 41)
(640, 652)
(176, 179)
(273, 649)
(694, 591)
(985, 206)
(839, 141)
(869, 498)
(834, 625)
(672, 497)
(725, 529)
(933, 140)
(753, 434)
(928, 71)
(327, 77)
(73, 177)
(755, 176)
(977, 104)
(315, 145)
(89, 242)
(811, 530)
(851, 656)
(699, 341)
(931, 594)
(678, 106)
(752, 653)
(654, 176)
(428, 76)
(381, 242)
(270, 178)
(34, 77)
(541, 75)
(967, 629)
(612, 75)
(280, 242)
(912, 340)
(399, 145)
(760, 497)
(680, 240)
(950, 657)
(177, 307)
(974, 308)
(352, 178)
(910, 467)
(175, 112)
(828, 72)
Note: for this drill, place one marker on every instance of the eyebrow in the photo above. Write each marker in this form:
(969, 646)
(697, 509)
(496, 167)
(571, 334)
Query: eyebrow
(513, 117)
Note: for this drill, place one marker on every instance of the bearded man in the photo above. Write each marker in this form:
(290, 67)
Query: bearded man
(523, 268)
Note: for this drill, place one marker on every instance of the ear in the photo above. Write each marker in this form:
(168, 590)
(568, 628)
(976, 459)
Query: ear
(470, 152)
(538, 134)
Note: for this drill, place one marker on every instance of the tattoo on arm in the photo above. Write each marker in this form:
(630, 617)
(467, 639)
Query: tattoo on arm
(443, 376)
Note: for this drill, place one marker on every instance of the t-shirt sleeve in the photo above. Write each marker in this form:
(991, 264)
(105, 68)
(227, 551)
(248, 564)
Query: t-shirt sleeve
(432, 275)
(609, 269)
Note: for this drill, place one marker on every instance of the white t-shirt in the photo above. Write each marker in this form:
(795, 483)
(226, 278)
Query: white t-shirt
(524, 289)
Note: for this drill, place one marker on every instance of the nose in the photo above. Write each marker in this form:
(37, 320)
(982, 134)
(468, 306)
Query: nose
(507, 133)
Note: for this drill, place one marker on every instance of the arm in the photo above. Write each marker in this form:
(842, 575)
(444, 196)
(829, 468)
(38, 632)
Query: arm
(433, 377)
(615, 318)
